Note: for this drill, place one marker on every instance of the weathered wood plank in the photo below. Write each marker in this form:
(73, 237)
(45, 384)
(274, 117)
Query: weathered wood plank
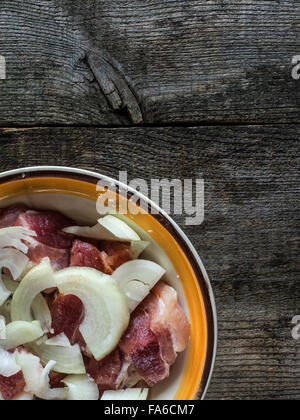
(257, 356)
(100, 62)
(252, 217)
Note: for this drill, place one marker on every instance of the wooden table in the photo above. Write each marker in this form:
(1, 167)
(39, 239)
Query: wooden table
(180, 89)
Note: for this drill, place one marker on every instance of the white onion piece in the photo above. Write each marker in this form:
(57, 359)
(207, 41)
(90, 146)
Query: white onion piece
(60, 340)
(68, 359)
(37, 378)
(133, 394)
(9, 283)
(14, 237)
(14, 260)
(95, 232)
(21, 332)
(81, 388)
(109, 228)
(36, 280)
(2, 327)
(106, 312)
(1, 397)
(8, 365)
(41, 340)
(5, 310)
(7, 287)
(4, 292)
(117, 229)
(136, 279)
(137, 247)
(42, 312)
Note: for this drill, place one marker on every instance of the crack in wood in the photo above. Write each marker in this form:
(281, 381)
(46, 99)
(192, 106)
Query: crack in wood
(117, 91)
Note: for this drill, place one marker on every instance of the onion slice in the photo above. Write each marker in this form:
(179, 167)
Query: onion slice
(7, 287)
(106, 312)
(4, 292)
(81, 388)
(5, 310)
(14, 260)
(60, 340)
(9, 283)
(68, 359)
(2, 327)
(136, 278)
(109, 228)
(138, 247)
(42, 312)
(37, 378)
(15, 237)
(21, 332)
(133, 394)
(8, 365)
(36, 280)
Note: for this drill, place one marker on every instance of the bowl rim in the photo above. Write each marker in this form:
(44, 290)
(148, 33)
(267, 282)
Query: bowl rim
(180, 236)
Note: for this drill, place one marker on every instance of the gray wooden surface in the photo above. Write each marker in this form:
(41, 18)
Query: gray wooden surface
(210, 85)
(249, 241)
(163, 62)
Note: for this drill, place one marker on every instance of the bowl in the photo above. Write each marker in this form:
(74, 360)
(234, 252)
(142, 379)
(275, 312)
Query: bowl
(74, 193)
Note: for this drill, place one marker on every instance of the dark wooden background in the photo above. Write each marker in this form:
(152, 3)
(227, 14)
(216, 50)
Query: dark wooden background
(180, 89)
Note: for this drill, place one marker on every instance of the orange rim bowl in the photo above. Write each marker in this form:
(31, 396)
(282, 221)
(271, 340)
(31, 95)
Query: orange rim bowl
(166, 233)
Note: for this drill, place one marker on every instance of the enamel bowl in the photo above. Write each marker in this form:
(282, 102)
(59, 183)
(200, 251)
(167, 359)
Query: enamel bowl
(74, 193)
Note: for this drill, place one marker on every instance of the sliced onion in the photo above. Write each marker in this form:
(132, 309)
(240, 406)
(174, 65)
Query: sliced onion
(9, 283)
(8, 365)
(106, 312)
(15, 237)
(81, 388)
(113, 229)
(14, 260)
(137, 247)
(41, 340)
(95, 232)
(136, 279)
(21, 332)
(4, 292)
(37, 378)
(133, 394)
(42, 312)
(2, 327)
(7, 287)
(10, 287)
(117, 229)
(5, 310)
(68, 360)
(36, 280)
(109, 228)
(60, 340)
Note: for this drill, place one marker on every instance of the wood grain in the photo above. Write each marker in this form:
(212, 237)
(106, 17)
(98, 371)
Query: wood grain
(100, 62)
(257, 357)
(249, 241)
(252, 218)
